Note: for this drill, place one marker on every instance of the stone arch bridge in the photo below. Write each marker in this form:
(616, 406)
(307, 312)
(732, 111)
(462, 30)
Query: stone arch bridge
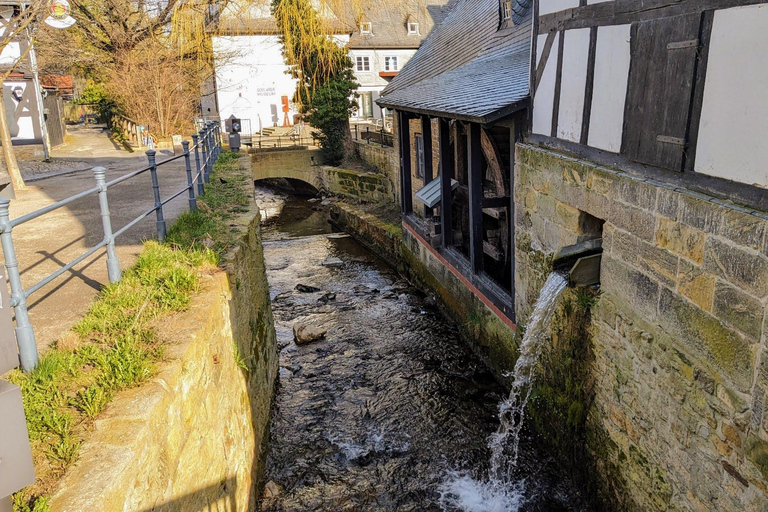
(306, 165)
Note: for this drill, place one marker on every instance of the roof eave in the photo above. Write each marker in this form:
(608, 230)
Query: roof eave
(484, 120)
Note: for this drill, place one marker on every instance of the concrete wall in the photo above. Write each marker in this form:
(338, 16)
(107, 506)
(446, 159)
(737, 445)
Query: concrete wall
(679, 330)
(193, 438)
(367, 187)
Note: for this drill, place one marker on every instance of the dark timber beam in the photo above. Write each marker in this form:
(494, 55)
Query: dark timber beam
(406, 189)
(475, 175)
(426, 130)
(446, 173)
(622, 12)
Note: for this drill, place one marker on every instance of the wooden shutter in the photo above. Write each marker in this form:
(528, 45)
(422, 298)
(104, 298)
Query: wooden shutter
(661, 77)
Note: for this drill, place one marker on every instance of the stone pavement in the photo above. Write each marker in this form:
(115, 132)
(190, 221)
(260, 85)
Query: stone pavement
(53, 240)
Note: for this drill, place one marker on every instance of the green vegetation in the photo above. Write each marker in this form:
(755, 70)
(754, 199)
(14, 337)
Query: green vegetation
(225, 197)
(326, 83)
(115, 346)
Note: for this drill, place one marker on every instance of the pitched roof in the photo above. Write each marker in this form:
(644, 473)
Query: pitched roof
(467, 68)
(389, 22)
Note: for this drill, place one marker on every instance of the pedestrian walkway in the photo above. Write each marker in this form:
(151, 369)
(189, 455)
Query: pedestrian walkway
(49, 242)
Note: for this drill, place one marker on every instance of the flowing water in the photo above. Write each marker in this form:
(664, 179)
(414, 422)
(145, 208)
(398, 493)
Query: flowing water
(391, 411)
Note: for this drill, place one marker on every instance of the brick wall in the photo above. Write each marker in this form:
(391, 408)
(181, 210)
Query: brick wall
(679, 330)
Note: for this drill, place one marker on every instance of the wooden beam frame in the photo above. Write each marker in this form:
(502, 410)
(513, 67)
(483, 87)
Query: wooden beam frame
(406, 188)
(474, 151)
(623, 12)
(426, 130)
(446, 174)
(589, 87)
(697, 97)
(558, 84)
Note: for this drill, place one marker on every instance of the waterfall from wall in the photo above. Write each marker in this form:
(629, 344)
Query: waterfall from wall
(500, 493)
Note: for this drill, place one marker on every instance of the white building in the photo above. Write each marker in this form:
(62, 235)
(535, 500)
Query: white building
(252, 81)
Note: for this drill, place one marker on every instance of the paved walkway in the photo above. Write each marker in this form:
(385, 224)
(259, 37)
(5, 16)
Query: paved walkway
(55, 239)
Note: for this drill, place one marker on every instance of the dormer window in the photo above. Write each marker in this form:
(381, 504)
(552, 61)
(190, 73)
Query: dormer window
(366, 27)
(413, 28)
(506, 9)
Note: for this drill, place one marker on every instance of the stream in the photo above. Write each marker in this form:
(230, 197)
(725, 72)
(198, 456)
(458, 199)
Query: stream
(391, 411)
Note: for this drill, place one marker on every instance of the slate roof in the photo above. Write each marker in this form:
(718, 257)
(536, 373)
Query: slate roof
(389, 22)
(467, 68)
(388, 18)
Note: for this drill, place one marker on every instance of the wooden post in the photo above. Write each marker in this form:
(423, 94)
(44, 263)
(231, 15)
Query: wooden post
(406, 190)
(475, 176)
(446, 173)
(426, 130)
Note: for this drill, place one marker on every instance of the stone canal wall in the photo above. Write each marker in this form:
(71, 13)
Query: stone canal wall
(385, 160)
(492, 338)
(193, 438)
(679, 329)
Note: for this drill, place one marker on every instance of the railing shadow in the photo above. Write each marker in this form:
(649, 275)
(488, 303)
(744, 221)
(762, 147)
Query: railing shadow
(221, 498)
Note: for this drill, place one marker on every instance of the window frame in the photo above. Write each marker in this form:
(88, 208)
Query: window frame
(388, 60)
(418, 145)
(366, 59)
(364, 30)
(506, 10)
(413, 31)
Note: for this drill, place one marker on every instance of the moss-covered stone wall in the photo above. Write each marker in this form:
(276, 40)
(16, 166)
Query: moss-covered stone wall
(679, 329)
(194, 437)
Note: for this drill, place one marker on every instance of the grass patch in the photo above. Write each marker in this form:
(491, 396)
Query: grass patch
(225, 197)
(115, 346)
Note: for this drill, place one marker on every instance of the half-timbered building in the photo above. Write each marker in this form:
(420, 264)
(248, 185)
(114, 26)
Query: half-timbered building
(527, 127)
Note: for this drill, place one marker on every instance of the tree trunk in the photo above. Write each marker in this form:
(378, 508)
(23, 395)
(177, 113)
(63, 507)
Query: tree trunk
(349, 144)
(11, 165)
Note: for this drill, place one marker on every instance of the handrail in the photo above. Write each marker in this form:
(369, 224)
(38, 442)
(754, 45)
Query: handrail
(207, 141)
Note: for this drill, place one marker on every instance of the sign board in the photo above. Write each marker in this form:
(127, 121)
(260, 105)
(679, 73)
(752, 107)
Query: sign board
(16, 468)
(9, 354)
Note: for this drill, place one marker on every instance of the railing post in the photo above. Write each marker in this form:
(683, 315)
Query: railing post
(190, 183)
(200, 186)
(113, 265)
(217, 132)
(368, 133)
(204, 148)
(158, 202)
(25, 335)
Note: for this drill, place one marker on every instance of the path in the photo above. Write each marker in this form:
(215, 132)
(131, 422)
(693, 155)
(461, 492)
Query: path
(49, 242)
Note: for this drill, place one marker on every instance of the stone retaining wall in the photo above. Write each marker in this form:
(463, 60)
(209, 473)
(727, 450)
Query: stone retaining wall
(193, 438)
(492, 339)
(383, 158)
(679, 330)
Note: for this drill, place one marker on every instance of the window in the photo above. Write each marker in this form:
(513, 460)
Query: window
(366, 99)
(506, 9)
(390, 64)
(362, 63)
(419, 139)
(366, 27)
(413, 28)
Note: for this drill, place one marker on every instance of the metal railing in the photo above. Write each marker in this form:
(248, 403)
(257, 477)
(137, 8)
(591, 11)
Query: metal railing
(206, 146)
(375, 136)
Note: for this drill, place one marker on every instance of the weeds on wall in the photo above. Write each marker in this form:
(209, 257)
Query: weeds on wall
(115, 346)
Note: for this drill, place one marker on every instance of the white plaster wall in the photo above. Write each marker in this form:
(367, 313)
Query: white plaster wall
(574, 81)
(251, 79)
(12, 51)
(609, 95)
(544, 98)
(734, 118)
(549, 6)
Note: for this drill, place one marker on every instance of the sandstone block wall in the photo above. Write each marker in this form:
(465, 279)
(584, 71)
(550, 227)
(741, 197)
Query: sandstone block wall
(385, 159)
(193, 438)
(679, 330)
